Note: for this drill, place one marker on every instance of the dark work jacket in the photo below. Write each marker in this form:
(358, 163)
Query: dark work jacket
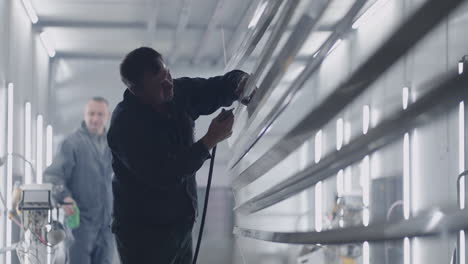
(154, 156)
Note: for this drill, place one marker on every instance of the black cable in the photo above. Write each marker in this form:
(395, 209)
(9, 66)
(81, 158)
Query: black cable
(205, 207)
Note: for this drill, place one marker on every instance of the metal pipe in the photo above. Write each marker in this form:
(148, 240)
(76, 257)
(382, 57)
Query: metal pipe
(434, 223)
(404, 38)
(436, 102)
(253, 134)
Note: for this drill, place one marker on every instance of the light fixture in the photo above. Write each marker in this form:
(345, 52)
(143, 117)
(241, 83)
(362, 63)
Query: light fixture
(47, 43)
(30, 11)
(365, 184)
(9, 180)
(366, 253)
(318, 206)
(406, 251)
(303, 155)
(3, 139)
(365, 119)
(318, 146)
(27, 142)
(405, 97)
(417, 251)
(339, 133)
(304, 207)
(39, 148)
(49, 145)
(365, 216)
(258, 13)
(368, 13)
(462, 247)
(461, 151)
(347, 132)
(460, 67)
(406, 176)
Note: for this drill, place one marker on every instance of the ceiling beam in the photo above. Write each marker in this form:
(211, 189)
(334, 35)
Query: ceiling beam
(181, 27)
(142, 25)
(120, 56)
(210, 29)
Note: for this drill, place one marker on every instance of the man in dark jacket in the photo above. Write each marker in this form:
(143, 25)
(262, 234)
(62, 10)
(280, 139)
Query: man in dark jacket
(82, 176)
(155, 157)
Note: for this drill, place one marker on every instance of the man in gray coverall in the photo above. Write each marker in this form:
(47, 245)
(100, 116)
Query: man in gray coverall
(82, 176)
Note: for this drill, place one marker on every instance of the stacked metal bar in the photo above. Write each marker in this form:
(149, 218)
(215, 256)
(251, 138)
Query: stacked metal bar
(445, 91)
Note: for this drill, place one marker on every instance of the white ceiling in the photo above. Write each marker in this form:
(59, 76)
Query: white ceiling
(92, 36)
(111, 28)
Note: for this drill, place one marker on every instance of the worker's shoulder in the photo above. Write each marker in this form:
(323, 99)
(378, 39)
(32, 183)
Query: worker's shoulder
(123, 114)
(72, 141)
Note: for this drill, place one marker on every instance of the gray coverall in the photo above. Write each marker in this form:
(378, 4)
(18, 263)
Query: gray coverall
(82, 170)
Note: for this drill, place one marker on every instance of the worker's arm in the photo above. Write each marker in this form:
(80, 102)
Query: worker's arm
(153, 160)
(205, 96)
(60, 171)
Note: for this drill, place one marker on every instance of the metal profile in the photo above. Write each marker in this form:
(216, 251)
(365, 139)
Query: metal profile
(400, 42)
(307, 24)
(447, 93)
(253, 134)
(254, 36)
(434, 223)
(278, 30)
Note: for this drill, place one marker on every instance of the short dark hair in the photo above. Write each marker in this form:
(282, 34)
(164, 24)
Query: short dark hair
(136, 63)
(99, 99)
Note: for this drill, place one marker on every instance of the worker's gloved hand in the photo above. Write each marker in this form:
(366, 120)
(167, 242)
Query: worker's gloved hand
(69, 206)
(220, 129)
(244, 98)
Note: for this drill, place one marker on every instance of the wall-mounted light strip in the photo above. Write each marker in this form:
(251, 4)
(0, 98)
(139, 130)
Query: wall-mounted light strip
(365, 119)
(369, 13)
(47, 43)
(365, 183)
(365, 253)
(30, 11)
(49, 145)
(405, 97)
(339, 133)
(406, 251)
(406, 176)
(460, 67)
(258, 13)
(318, 206)
(462, 253)
(347, 132)
(27, 142)
(3, 140)
(9, 181)
(318, 146)
(39, 148)
(461, 151)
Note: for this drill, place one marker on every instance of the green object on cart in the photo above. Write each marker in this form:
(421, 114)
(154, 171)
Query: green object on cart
(73, 221)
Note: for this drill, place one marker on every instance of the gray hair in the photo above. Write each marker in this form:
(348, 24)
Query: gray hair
(99, 99)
